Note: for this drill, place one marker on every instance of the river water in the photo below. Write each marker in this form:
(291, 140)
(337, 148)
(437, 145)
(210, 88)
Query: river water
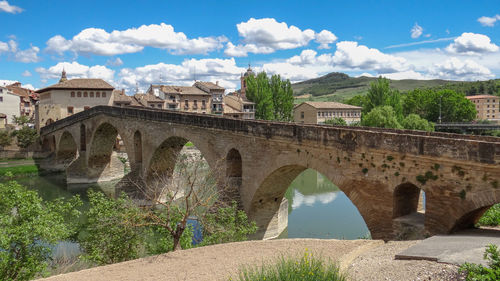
(316, 207)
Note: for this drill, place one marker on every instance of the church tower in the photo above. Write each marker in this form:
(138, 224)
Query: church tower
(63, 76)
(243, 82)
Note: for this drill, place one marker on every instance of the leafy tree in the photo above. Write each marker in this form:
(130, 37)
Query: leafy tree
(29, 227)
(282, 98)
(415, 122)
(479, 272)
(25, 136)
(359, 100)
(112, 232)
(227, 224)
(383, 117)
(336, 121)
(22, 120)
(5, 138)
(377, 94)
(259, 92)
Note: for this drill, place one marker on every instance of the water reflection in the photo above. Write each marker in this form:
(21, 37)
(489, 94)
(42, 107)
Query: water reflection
(318, 209)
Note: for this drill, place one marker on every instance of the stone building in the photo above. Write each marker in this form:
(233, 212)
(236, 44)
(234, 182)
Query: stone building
(318, 112)
(149, 100)
(69, 97)
(243, 82)
(238, 106)
(486, 106)
(28, 99)
(217, 92)
(9, 106)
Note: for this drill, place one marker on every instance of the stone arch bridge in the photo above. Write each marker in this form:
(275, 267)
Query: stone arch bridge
(382, 171)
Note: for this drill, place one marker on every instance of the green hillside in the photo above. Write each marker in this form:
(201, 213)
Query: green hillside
(339, 86)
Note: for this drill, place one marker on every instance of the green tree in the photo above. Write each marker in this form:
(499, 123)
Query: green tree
(282, 93)
(383, 117)
(337, 121)
(377, 94)
(359, 100)
(259, 92)
(25, 136)
(22, 120)
(112, 229)
(29, 227)
(415, 122)
(5, 139)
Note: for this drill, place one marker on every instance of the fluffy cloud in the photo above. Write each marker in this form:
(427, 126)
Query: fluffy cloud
(416, 31)
(76, 70)
(163, 36)
(223, 70)
(409, 74)
(4, 47)
(114, 62)
(6, 7)
(264, 36)
(350, 55)
(488, 21)
(324, 38)
(472, 44)
(26, 56)
(286, 70)
(26, 73)
(455, 69)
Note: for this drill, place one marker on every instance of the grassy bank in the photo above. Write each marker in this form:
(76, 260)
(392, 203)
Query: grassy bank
(17, 171)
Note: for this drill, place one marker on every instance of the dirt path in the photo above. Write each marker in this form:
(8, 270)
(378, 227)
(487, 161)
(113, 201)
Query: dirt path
(363, 259)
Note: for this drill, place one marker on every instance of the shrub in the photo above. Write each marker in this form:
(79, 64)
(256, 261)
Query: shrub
(491, 217)
(5, 139)
(477, 272)
(337, 121)
(287, 269)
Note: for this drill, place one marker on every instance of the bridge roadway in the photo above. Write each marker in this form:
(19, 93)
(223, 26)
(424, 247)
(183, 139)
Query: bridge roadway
(382, 171)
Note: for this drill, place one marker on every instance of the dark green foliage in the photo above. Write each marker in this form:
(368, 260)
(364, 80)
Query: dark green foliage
(390, 158)
(494, 184)
(29, 227)
(5, 139)
(25, 136)
(365, 170)
(111, 234)
(436, 167)
(306, 268)
(462, 194)
(227, 224)
(491, 217)
(396, 174)
(380, 94)
(337, 121)
(459, 171)
(382, 117)
(477, 272)
(415, 122)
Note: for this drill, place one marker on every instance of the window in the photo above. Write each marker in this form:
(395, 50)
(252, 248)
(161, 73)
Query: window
(203, 104)
(103, 94)
(26, 104)
(72, 94)
(70, 110)
(302, 114)
(86, 107)
(1, 99)
(97, 94)
(319, 113)
(152, 105)
(91, 94)
(159, 105)
(195, 104)
(85, 94)
(487, 100)
(79, 94)
(186, 104)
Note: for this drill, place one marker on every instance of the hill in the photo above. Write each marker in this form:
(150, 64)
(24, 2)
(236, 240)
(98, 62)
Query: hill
(339, 86)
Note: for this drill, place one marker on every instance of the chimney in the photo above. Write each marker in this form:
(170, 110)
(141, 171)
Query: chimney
(123, 91)
(217, 83)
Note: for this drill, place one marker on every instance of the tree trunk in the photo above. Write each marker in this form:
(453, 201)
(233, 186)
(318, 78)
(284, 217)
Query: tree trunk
(177, 236)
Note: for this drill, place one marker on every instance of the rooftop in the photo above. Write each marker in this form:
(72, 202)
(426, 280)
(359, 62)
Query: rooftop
(481, 97)
(208, 85)
(81, 83)
(183, 90)
(329, 105)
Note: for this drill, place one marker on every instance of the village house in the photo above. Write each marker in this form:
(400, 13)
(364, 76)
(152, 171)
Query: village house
(183, 98)
(27, 99)
(217, 92)
(486, 106)
(69, 97)
(9, 106)
(237, 104)
(318, 112)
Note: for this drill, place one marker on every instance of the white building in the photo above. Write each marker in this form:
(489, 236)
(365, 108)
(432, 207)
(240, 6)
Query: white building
(9, 106)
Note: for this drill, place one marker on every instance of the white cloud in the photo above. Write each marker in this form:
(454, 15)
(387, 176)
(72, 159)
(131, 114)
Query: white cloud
(266, 35)
(26, 73)
(289, 71)
(455, 69)
(26, 56)
(416, 31)
(163, 36)
(76, 70)
(365, 74)
(6, 7)
(324, 38)
(488, 21)
(472, 44)
(7, 82)
(409, 74)
(350, 55)
(28, 86)
(4, 47)
(309, 200)
(223, 70)
(114, 62)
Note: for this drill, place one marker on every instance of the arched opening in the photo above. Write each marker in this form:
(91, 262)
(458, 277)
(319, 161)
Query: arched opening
(408, 212)
(49, 144)
(66, 150)
(107, 158)
(83, 138)
(470, 219)
(234, 173)
(138, 147)
(305, 204)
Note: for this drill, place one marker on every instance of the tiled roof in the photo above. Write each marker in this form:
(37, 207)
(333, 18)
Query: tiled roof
(236, 97)
(23, 92)
(143, 99)
(481, 97)
(183, 90)
(231, 110)
(87, 83)
(329, 105)
(120, 97)
(208, 85)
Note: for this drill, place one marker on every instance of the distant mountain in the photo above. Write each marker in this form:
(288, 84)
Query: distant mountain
(339, 86)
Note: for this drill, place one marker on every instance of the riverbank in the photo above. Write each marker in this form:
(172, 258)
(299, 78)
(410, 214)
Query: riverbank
(361, 259)
(18, 167)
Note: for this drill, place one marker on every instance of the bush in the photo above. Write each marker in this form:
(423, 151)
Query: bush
(491, 217)
(5, 139)
(302, 269)
(111, 232)
(382, 117)
(415, 122)
(25, 136)
(477, 272)
(29, 227)
(337, 121)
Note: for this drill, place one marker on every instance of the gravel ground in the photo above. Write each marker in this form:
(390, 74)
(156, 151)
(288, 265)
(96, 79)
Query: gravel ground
(362, 259)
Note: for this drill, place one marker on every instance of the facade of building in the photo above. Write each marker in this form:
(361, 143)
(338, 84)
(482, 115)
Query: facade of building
(217, 92)
(9, 106)
(149, 100)
(238, 106)
(27, 99)
(486, 106)
(318, 112)
(197, 99)
(69, 97)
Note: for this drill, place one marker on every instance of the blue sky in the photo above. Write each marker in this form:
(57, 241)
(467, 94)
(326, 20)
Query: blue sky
(138, 43)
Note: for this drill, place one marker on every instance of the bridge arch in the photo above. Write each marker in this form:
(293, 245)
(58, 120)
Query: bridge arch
(267, 199)
(476, 208)
(49, 144)
(67, 150)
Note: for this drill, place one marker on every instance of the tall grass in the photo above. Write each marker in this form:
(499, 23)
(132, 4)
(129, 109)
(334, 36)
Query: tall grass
(305, 268)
